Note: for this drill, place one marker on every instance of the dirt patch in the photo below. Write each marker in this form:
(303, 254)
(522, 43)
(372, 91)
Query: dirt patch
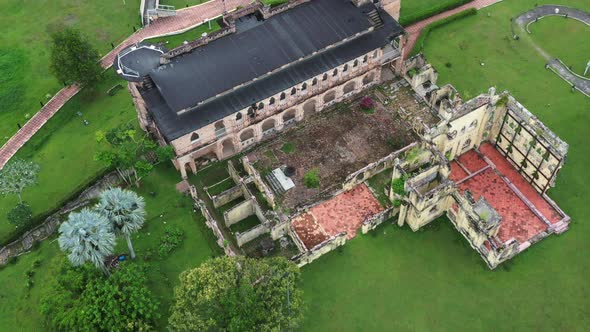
(337, 143)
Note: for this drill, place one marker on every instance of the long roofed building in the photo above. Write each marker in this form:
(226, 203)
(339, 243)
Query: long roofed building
(267, 68)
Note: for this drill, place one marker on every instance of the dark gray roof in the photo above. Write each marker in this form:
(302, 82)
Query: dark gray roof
(240, 57)
(173, 126)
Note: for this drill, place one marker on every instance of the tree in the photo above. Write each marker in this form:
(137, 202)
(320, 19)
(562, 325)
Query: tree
(87, 237)
(73, 58)
(125, 210)
(238, 294)
(133, 155)
(20, 215)
(80, 299)
(16, 176)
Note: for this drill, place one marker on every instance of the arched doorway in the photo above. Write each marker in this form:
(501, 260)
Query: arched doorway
(289, 117)
(329, 97)
(227, 148)
(368, 78)
(349, 87)
(309, 108)
(268, 127)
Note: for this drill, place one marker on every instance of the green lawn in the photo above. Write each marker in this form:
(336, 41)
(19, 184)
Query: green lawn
(64, 148)
(179, 4)
(19, 307)
(177, 40)
(568, 40)
(416, 10)
(432, 280)
(25, 79)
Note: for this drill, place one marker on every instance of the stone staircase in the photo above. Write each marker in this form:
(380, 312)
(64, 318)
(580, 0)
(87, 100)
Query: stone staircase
(375, 18)
(561, 227)
(148, 83)
(274, 183)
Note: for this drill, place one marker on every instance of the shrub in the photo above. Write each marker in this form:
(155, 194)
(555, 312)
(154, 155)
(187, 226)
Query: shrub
(419, 45)
(36, 263)
(21, 215)
(288, 148)
(311, 179)
(397, 203)
(399, 186)
(172, 238)
(367, 105)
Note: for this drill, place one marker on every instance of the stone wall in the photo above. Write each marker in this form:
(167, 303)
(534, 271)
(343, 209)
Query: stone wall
(51, 224)
(319, 250)
(238, 213)
(374, 221)
(251, 234)
(222, 242)
(227, 196)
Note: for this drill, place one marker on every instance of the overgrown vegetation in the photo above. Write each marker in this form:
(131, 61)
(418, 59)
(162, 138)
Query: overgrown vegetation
(83, 300)
(239, 294)
(311, 179)
(172, 238)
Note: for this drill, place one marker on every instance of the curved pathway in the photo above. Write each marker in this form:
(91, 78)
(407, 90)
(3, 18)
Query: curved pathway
(185, 19)
(415, 29)
(580, 83)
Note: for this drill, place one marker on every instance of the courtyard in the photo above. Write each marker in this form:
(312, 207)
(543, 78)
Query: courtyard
(336, 143)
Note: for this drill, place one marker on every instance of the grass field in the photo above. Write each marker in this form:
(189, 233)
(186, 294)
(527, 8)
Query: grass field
(64, 148)
(179, 4)
(568, 40)
(19, 306)
(177, 40)
(416, 10)
(25, 79)
(432, 280)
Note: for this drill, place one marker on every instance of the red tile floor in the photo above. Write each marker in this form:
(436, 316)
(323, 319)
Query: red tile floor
(343, 213)
(518, 219)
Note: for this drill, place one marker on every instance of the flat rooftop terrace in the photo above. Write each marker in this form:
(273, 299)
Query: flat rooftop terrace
(486, 173)
(343, 213)
(335, 143)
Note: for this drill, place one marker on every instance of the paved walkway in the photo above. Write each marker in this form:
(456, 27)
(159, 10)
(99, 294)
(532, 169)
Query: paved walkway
(415, 30)
(581, 84)
(185, 19)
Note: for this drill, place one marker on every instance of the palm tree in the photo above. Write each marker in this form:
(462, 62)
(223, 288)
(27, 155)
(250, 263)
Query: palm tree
(87, 237)
(125, 210)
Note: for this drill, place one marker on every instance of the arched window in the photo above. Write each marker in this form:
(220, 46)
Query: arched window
(345, 68)
(355, 63)
(325, 78)
(365, 59)
(283, 96)
(304, 87)
(314, 82)
(376, 53)
(293, 91)
(473, 124)
(260, 106)
(238, 116)
(194, 138)
(335, 72)
(251, 112)
(271, 101)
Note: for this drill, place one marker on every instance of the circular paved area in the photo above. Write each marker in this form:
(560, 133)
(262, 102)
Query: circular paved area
(580, 83)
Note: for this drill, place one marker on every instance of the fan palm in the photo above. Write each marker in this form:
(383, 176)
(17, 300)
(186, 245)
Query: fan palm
(87, 237)
(125, 210)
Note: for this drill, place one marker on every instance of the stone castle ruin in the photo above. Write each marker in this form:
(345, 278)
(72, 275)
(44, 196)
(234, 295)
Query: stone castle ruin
(279, 92)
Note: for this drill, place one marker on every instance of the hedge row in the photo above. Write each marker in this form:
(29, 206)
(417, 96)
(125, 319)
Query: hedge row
(419, 45)
(441, 6)
(39, 219)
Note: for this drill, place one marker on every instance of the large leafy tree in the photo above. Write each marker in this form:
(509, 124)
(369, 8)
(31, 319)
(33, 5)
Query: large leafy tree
(73, 58)
(87, 237)
(80, 299)
(17, 175)
(133, 154)
(238, 294)
(125, 210)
